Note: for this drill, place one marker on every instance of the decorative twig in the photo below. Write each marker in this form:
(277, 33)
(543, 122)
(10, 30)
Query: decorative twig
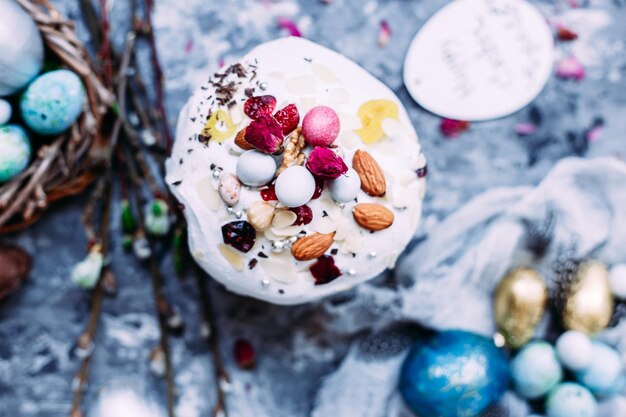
(221, 375)
(156, 287)
(105, 45)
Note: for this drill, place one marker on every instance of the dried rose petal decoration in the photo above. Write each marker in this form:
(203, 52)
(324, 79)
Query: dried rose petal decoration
(325, 164)
(324, 270)
(258, 105)
(244, 354)
(569, 68)
(241, 235)
(304, 213)
(288, 117)
(265, 134)
(453, 128)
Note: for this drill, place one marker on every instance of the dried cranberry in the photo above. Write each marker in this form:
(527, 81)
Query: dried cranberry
(453, 128)
(258, 105)
(319, 186)
(324, 270)
(244, 354)
(288, 118)
(239, 234)
(269, 194)
(304, 213)
(421, 173)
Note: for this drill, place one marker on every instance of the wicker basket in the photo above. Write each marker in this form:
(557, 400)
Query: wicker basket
(67, 164)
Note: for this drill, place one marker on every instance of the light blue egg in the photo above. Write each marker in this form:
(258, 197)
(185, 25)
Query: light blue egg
(5, 112)
(14, 151)
(53, 102)
(536, 370)
(602, 376)
(571, 400)
(453, 374)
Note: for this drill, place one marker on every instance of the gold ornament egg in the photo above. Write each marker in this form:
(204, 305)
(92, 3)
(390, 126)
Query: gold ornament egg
(588, 304)
(519, 303)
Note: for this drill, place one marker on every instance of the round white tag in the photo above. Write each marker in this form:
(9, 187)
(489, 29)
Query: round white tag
(480, 59)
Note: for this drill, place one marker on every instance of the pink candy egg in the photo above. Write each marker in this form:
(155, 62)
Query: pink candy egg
(320, 126)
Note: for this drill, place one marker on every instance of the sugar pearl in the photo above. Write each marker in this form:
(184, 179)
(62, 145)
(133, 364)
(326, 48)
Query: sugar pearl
(345, 188)
(320, 126)
(295, 186)
(573, 349)
(255, 168)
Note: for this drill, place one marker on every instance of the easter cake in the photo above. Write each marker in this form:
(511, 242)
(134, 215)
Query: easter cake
(300, 174)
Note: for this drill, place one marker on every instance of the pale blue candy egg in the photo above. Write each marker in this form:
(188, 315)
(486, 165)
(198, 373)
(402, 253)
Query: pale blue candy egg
(603, 373)
(345, 188)
(535, 370)
(14, 151)
(5, 112)
(255, 168)
(53, 102)
(571, 400)
(574, 350)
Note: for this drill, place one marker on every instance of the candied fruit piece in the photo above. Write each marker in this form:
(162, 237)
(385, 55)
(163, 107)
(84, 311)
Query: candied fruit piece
(219, 127)
(269, 194)
(304, 213)
(372, 113)
(288, 118)
(240, 234)
(258, 105)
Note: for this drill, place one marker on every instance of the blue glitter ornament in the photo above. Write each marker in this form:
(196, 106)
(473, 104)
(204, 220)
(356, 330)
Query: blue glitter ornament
(53, 102)
(453, 374)
(14, 151)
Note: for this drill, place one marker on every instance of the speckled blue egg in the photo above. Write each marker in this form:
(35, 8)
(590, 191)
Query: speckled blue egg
(453, 374)
(602, 376)
(14, 151)
(53, 102)
(536, 370)
(5, 112)
(571, 400)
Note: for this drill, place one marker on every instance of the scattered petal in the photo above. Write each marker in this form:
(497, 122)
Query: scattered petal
(525, 129)
(289, 25)
(189, 46)
(595, 131)
(570, 68)
(244, 354)
(384, 33)
(453, 128)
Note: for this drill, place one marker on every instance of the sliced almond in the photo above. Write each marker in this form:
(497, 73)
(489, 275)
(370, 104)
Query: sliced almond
(284, 218)
(208, 194)
(286, 231)
(240, 140)
(372, 216)
(371, 175)
(312, 247)
(233, 257)
(279, 269)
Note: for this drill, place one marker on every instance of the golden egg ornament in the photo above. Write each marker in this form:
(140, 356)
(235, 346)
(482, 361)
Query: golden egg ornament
(588, 303)
(519, 303)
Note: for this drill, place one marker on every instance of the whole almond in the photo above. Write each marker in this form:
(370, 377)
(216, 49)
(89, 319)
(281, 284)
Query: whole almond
(372, 216)
(312, 247)
(240, 140)
(371, 175)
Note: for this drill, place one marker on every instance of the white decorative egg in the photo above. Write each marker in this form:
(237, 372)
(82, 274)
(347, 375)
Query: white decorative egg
(295, 186)
(604, 371)
(255, 168)
(535, 370)
(617, 279)
(574, 350)
(53, 102)
(22, 48)
(5, 112)
(14, 151)
(571, 400)
(345, 188)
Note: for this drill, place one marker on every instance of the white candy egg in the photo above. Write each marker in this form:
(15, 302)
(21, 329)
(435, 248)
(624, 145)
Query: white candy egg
(5, 112)
(295, 186)
(617, 279)
(345, 188)
(574, 350)
(255, 168)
